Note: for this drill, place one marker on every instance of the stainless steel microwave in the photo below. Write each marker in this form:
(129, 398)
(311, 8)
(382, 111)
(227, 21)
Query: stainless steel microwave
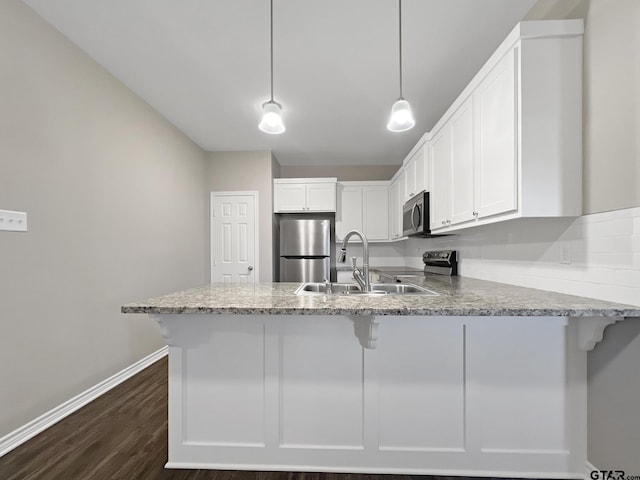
(415, 216)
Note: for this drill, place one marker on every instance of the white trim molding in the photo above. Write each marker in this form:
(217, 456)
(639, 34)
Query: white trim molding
(590, 468)
(591, 330)
(20, 435)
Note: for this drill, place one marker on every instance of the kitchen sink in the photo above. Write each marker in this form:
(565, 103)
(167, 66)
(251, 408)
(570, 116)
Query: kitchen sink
(354, 289)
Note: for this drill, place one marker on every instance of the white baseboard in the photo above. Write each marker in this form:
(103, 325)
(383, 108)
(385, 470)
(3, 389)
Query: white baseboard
(591, 468)
(22, 434)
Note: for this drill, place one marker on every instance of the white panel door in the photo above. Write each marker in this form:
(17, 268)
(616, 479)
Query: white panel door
(321, 197)
(396, 210)
(517, 406)
(496, 146)
(289, 197)
(411, 178)
(416, 172)
(227, 410)
(402, 187)
(420, 376)
(441, 173)
(321, 389)
(462, 171)
(349, 213)
(375, 212)
(233, 237)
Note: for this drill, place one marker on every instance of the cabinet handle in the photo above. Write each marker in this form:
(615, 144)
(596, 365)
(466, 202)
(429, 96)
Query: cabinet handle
(475, 214)
(448, 221)
(444, 222)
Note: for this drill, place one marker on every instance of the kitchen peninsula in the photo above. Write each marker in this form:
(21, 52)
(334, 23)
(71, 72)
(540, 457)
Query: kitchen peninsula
(483, 379)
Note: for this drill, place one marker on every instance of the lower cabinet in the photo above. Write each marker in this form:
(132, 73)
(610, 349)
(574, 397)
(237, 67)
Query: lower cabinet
(483, 396)
(363, 206)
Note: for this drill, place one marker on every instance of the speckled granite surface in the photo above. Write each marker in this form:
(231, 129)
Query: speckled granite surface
(457, 296)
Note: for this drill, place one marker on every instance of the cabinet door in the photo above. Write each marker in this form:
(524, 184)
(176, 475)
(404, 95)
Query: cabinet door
(349, 212)
(411, 178)
(321, 197)
(289, 197)
(375, 213)
(402, 187)
(395, 212)
(496, 147)
(417, 173)
(462, 172)
(440, 199)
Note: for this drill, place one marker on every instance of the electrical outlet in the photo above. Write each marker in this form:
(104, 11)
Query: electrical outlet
(565, 253)
(13, 221)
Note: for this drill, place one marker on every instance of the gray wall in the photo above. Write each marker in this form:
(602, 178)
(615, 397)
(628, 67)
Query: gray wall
(614, 394)
(611, 104)
(245, 171)
(113, 194)
(611, 181)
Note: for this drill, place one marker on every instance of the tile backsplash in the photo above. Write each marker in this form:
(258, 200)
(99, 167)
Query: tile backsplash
(594, 255)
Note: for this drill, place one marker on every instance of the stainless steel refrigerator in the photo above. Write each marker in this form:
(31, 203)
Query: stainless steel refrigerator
(306, 250)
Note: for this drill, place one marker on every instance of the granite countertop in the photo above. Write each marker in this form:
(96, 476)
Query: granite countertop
(456, 296)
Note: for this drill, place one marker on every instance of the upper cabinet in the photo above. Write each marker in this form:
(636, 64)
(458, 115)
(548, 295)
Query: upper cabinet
(416, 171)
(411, 179)
(396, 196)
(304, 195)
(510, 145)
(363, 206)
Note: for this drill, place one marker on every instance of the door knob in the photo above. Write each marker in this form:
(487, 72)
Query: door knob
(250, 268)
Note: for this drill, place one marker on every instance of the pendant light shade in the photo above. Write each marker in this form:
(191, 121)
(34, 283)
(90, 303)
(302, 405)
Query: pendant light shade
(401, 115)
(271, 116)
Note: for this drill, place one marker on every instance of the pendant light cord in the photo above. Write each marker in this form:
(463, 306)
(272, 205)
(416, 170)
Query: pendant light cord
(399, 40)
(271, 34)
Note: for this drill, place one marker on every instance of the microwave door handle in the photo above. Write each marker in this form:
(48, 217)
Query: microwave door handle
(413, 211)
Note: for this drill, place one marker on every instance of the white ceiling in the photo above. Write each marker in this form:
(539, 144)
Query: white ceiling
(204, 65)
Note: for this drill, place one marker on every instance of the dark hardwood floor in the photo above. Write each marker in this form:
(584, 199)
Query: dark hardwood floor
(123, 435)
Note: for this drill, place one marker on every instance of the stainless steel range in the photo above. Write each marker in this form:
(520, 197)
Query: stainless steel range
(441, 262)
(436, 262)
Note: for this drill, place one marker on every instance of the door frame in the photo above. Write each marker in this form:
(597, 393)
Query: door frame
(256, 243)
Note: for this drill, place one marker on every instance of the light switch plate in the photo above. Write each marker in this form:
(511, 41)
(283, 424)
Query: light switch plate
(13, 221)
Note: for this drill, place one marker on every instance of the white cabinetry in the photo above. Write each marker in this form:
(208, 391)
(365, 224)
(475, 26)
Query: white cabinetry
(304, 195)
(440, 198)
(452, 196)
(492, 396)
(363, 206)
(510, 145)
(396, 202)
(416, 171)
(495, 127)
(462, 165)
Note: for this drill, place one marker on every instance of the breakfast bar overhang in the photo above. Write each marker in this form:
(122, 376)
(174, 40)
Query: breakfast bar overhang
(484, 379)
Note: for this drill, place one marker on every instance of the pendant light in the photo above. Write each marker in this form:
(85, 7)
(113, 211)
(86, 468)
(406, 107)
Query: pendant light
(401, 116)
(271, 117)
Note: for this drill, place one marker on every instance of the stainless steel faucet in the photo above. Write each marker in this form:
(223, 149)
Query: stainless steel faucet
(362, 277)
